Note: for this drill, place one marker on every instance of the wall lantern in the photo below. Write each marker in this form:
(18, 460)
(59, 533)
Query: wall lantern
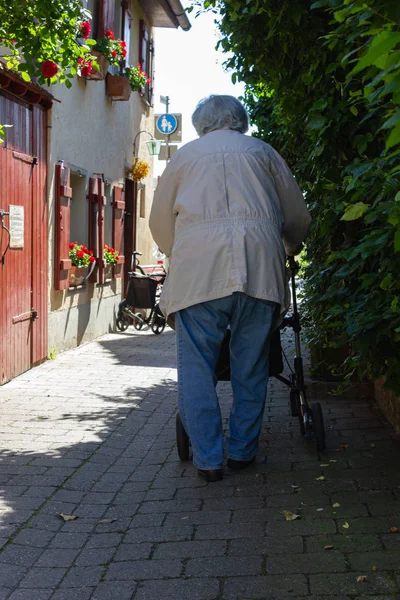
(153, 145)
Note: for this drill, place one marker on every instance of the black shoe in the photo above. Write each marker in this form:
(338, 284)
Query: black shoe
(239, 464)
(211, 474)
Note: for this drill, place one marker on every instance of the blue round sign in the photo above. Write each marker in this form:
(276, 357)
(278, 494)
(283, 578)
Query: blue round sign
(167, 124)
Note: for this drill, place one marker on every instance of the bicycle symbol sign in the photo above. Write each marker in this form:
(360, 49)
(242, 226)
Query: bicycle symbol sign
(167, 124)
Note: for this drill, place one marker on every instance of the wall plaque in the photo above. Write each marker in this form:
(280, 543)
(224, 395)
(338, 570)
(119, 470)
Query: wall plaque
(17, 226)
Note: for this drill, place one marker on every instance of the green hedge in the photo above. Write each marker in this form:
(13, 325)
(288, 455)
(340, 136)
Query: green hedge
(323, 87)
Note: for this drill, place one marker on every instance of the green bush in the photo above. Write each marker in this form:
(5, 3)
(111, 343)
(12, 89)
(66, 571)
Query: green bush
(323, 87)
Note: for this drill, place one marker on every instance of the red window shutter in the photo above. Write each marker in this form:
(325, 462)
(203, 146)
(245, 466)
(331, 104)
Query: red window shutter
(93, 229)
(118, 227)
(62, 261)
(151, 73)
(101, 201)
(143, 51)
(106, 16)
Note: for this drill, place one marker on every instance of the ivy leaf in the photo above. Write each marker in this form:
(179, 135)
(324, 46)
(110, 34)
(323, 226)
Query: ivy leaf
(382, 43)
(354, 211)
(397, 241)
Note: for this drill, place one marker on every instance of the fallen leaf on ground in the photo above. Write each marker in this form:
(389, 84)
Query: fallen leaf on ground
(332, 460)
(105, 521)
(362, 578)
(344, 446)
(324, 465)
(289, 516)
(295, 487)
(374, 568)
(320, 478)
(319, 509)
(393, 530)
(66, 517)
(346, 525)
(328, 548)
(336, 505)
(373, 445)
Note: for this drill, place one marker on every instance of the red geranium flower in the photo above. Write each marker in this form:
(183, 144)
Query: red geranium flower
(117, 258)
(91, 252)
(114, 53)
(80, 254)
(122, 44)
(123, 52)
(86, 70)
(71, 246)
(110, 34)
(148, 80)
(92, 259)
(110, 249)
(85, 29)
(49, 69)
(80, 60)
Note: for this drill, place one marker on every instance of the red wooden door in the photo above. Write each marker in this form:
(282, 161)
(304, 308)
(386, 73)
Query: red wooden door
(23, 267)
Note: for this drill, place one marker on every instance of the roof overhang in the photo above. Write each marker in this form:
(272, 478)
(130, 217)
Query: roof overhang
(166, 13)
(12, 83)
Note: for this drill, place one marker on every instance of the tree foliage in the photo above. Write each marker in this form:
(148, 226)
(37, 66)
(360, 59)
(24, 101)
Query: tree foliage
(323, 87)
(43, 31)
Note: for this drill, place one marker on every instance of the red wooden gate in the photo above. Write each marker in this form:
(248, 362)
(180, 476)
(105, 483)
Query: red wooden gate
(24, 267)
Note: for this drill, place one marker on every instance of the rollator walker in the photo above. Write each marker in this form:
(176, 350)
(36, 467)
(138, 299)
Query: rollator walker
(311, 419)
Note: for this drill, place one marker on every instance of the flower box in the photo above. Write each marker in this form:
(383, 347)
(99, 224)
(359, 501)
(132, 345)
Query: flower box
(108, 272)
(77, 275)
(118, 87)
(103, 65)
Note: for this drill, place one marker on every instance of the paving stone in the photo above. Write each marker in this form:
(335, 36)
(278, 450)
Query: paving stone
(94, 556)
(24, 556)
(227, 531)
(346, 583)
(306, 563)
(159, 534)
(136, 552)
(5, 593)
(32, 594)
(33, 537)
(11, 575)
(189, 549)
(184, 589)
(106, 590)
(226, 566)
(43, 577)
(83, 576)
(57, 557)
(144, 569)
(344, 542)
(69, 540)
(81, 593)
(383, 561)
(266, 545)
(104, 540)
(300, 527)
(269, 588)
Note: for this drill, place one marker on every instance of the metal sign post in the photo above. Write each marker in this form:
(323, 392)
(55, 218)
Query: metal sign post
(165, 100)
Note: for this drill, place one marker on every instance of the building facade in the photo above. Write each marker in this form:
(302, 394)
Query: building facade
(65, 176)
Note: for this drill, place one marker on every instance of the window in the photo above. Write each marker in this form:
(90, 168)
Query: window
(142, 198)
(126, 33)
(146, 59)
(79, 209)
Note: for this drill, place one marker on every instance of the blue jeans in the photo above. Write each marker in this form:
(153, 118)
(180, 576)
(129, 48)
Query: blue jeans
(200, 330)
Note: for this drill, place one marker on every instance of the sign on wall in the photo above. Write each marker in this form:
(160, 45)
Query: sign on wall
(17, 226)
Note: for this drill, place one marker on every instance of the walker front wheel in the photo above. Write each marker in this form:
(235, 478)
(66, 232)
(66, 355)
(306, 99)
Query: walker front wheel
(182, 440)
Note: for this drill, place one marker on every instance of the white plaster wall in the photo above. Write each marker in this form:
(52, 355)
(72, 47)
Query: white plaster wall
(93, 133)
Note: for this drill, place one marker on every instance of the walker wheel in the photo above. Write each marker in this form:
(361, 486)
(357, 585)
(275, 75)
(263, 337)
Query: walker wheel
(138, 321)
(158, 327)
(122, 323)
(318, 426)
(182, 440)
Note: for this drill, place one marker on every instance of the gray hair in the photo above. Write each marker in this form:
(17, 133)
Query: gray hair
(220, 112)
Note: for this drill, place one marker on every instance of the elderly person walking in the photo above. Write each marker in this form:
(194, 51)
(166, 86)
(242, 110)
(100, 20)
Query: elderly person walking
(226, 211)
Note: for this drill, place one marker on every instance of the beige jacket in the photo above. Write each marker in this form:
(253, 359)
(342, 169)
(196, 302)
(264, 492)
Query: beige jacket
(225, 210)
